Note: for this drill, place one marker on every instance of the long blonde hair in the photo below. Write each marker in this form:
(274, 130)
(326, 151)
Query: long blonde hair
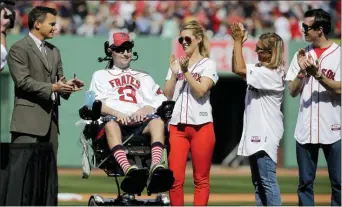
(198, 31)
(273, 42)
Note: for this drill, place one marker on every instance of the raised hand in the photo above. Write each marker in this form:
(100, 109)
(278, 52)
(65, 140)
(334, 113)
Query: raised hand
(4, 23)
(245, 37)
(174, 64)
(238, 32)
(184, 63)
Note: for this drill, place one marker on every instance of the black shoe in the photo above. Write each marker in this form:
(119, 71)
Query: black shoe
(160, 179)
(135, 180)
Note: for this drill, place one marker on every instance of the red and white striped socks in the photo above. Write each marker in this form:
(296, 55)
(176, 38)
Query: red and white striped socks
(121, 158)
(157, 152)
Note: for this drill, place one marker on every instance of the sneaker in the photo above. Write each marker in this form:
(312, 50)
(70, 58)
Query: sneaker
(155, 167)
(135, 180)
(160, 179)
(131, 169)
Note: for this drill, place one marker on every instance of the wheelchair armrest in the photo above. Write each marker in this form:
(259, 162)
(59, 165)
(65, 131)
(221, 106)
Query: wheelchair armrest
(165, 110)
(91, 114)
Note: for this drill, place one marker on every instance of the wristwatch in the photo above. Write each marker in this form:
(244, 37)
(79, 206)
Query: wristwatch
(319, 77)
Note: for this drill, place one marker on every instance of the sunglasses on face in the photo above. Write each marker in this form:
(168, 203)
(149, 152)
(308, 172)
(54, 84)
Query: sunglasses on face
(186, 38)
(122, 49)
(257, 49)
(306, 27)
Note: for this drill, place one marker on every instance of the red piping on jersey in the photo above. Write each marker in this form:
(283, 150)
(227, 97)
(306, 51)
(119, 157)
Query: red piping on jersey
(128, 72)
(318, 110)
(311, 110)
(186, 119)
(320, 64)
(187, 106)
(180, 115)
(328, 54)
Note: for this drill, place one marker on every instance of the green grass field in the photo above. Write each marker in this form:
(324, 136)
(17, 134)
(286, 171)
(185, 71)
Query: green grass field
(219, 185)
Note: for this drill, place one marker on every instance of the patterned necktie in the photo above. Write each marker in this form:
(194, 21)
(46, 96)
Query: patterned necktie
(43, 51)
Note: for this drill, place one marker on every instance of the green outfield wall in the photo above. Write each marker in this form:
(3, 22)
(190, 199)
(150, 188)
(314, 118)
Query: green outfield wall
(79, 56)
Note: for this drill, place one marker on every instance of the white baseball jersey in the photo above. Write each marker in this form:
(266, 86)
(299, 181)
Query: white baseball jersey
(3, 55)
(188, 108)
(126, 90)
(263, 120)
(319, 112)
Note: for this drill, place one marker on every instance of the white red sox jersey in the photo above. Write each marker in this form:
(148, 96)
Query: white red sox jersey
(3, 56)
(319, 112)
(126, 90)
(190, 109)
(263, 119)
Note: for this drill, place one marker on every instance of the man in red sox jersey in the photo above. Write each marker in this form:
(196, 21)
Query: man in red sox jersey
(314, 73)
(131, 96)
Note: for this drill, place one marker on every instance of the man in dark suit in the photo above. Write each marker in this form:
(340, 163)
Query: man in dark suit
(36, 69)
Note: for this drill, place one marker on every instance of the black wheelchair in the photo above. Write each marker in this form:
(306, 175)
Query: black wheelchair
(137, 148)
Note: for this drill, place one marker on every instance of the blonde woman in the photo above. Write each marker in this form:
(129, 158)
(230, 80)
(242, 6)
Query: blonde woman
(263, 119)
(188, 83)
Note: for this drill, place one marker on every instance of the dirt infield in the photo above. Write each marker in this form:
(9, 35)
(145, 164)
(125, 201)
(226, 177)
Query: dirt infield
(214, 198)
(215, 170)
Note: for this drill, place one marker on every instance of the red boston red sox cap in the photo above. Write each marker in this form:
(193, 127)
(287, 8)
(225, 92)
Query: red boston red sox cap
(118, 38)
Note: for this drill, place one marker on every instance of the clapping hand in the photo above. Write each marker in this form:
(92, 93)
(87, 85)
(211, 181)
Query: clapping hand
(62, 87)
(311, 66)
(76, 84)
(301, 59)
(184, 64)
(174, 64)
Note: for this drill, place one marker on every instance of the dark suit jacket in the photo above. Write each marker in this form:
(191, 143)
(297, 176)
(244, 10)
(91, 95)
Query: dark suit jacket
(33, 80)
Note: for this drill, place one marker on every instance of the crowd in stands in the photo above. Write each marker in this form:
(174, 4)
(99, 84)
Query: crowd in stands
(163, 18)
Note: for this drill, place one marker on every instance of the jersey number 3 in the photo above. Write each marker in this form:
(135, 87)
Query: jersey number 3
(127, 94)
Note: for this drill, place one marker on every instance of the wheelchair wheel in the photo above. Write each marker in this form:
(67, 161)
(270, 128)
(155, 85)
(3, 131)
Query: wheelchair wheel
(96, 200)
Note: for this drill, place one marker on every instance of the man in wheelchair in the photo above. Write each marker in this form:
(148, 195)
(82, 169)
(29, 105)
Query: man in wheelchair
(130, 99)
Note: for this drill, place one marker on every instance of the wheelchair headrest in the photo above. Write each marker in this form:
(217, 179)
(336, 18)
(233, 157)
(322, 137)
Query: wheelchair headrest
(165, 110)
(91, 114)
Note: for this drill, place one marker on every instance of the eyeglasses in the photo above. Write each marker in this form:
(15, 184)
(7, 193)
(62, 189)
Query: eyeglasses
(306, 27)
(186, 38)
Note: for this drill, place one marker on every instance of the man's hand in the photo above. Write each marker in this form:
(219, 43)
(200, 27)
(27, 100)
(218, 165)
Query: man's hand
(141, 114)
(301, 59)
(76, 84)
(4, 23)
(122, 118)
(61, 87)
(311, 66)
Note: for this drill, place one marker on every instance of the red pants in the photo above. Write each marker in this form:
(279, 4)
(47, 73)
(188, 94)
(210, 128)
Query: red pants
(200, 140)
